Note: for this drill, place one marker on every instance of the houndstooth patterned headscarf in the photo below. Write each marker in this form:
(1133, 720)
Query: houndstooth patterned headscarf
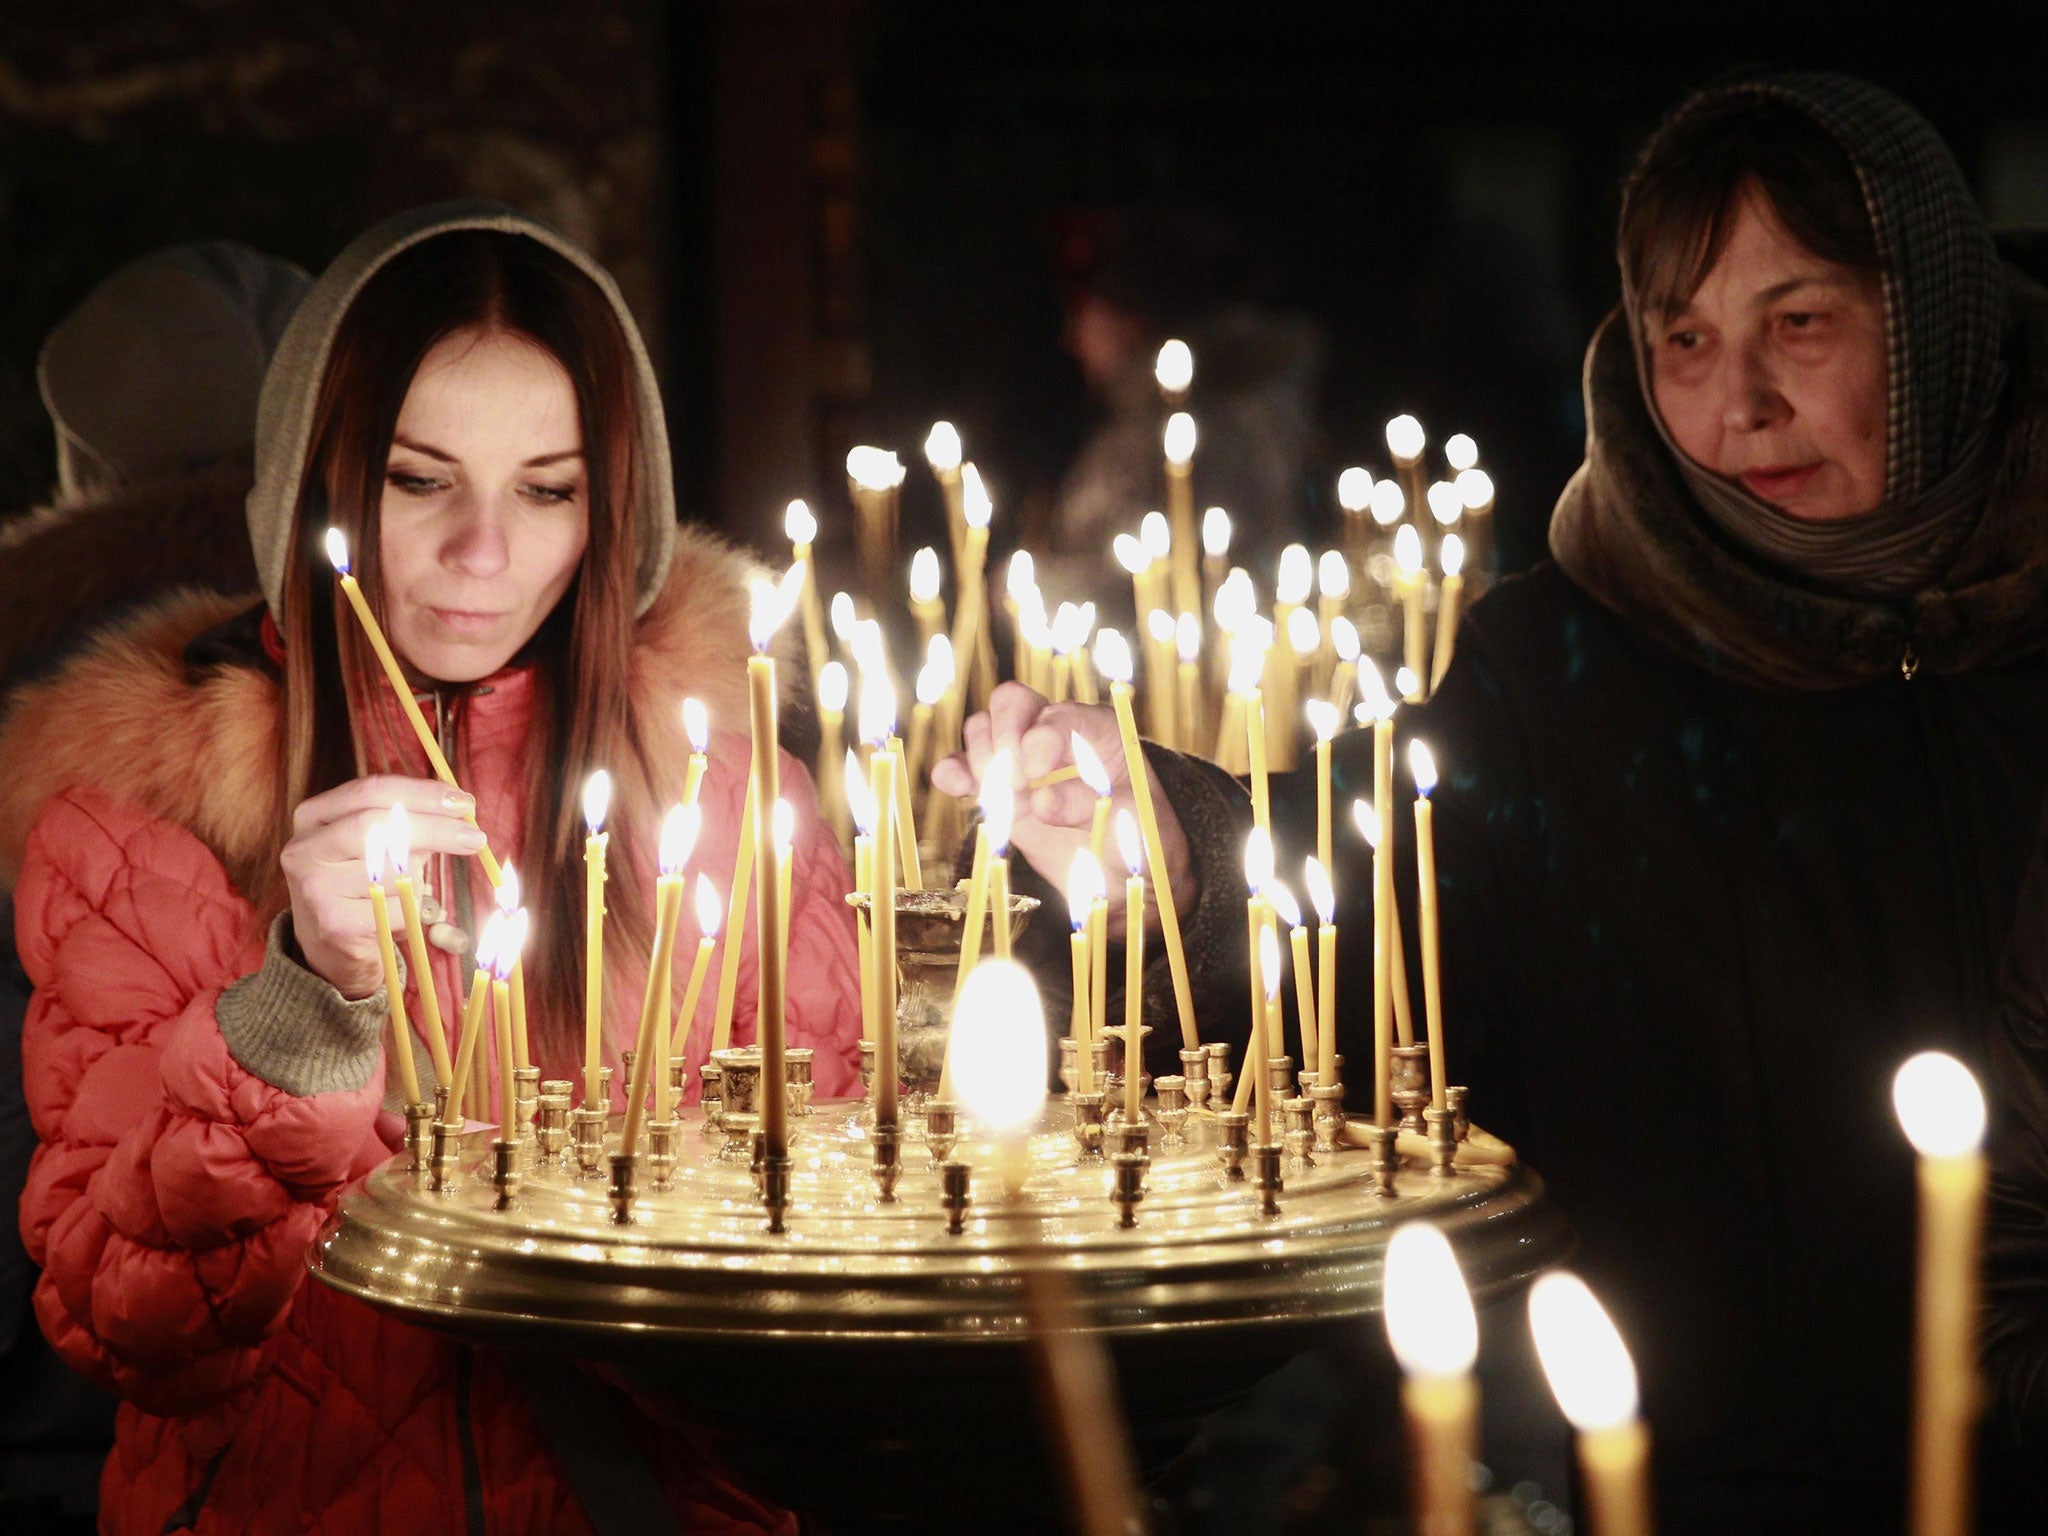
(1945, 324)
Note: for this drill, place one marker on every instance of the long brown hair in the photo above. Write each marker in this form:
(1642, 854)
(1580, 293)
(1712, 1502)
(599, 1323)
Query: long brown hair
(487, 281)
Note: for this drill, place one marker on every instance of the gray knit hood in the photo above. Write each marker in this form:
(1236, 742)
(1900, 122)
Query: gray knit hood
(284, 417)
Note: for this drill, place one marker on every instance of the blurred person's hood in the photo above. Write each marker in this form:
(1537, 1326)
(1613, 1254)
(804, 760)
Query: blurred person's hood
(158, 369)
(284, 421)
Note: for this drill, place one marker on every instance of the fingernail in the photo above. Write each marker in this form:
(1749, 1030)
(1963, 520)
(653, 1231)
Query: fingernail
(457, 800)
(469, 839)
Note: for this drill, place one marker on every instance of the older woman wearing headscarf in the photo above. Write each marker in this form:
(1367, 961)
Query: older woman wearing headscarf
(1738, 788)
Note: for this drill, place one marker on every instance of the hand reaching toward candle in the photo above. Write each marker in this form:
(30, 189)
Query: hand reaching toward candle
(1053, 821)
(332, 921)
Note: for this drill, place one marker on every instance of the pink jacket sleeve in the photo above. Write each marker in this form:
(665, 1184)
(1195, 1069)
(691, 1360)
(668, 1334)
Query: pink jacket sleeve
(175, 1193)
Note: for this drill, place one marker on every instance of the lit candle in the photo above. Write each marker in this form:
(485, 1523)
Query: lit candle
(770, 607)
(1435, 1336)
(387, 954)
(1266, 973)
(943, 450)
(1187, 634)
(775, 1037)
(1293, 585)
(1594, 1381)
(1174, 369)
(970, 606)
(832, 791)
(1422, 767)
(1388, 505)
(1258, 919)
(1085, 691)
(508, 903)
(925, 606)
(1451, 557)
(1113, 661)
(1018, 577)
(1289, 912)
(736, 898)
(1247, 662)
(597, 802)
(1089, 767)
(398, 849)
(844, 620)
(802, 529)
(1344, 677)
(1179, 443)
(1369, 827)
(1084, 887)
(1460, 452)
(1405, 443)
(1130, 844)
(1000, 811)
(679, 831)
(1354, 496)
(1942, 1111)
(1323, 719)
(906, 824)
(1215, 554)
(337, 555)
(1316, 876)
(1159, 672)
(876, 479)
(997, 810)
(473, 1021)
(709, 910)
(1412, 579)
(1475, 490)
(863, 811)
(934, 681)
(1333, 591)
(1131, 554)
(501, 1016)
(882, 907)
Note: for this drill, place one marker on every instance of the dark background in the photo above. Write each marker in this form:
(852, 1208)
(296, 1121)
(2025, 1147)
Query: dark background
(835, 218)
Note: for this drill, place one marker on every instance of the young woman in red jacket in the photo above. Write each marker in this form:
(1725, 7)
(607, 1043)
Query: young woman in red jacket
(182, 816)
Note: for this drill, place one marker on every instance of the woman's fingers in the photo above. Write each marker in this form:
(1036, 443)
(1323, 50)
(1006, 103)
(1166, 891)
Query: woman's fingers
(379, 792)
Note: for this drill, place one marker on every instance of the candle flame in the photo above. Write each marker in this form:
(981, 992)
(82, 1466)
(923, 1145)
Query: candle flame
(1323, 718)
(764, 611)
(842, 616)
(1354, 489)
(710, 909)
(1088, 764)
(832, 687)
(337, 550)
(1130, 846)
(1444, 503)
(1247, 660)
(1320, 894)
(1235, 600)
(924, 575)
(508, 889)
(1159, 624)
(1405, 439)
(597, 800)
(999, 802)
(874, 469)
(1113, 656)
(1069, 631)
(1475, 489)
(1084, 887)
(1377, 703)
(696, 726)
(511, 946)
(942, 447)
(1939, 1105)
(398, 842)
(1588, 1366)
(1020, 573)
(1269, 961)
(798, 524)
(1130, 553)
(489, 940)
(870, 652)
(1388, 502)
(1408, 550)
(1284, 903)
(784, 824)
(860, 796)
(1422, 767)
(877, 706)
(1174, 368)
(1216, 533)
(1406, 683)
(998, 1047)
(1344, 639)
(1297, 575)
(1367, 820)
(936, 675)
(1304, 632)
(1450, 555)
(679, 829)
(1333, 574)
(975, 506)
(1032, 621)
(1460, 452)
(1155, 535)
(1429, 1314)
(1179, 438)
(374, 842)
(1187, 638)
(1258, 860)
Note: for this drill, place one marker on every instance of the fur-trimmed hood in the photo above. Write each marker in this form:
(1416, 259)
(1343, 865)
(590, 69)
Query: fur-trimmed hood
(198, 746)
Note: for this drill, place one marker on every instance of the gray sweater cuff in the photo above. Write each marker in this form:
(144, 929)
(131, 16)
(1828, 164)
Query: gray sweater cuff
(295, 1031)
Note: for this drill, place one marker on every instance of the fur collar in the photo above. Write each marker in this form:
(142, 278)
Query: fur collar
(1628, 531)
(128, 716)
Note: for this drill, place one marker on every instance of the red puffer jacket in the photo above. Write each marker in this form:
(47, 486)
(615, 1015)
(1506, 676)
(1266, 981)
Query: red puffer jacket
(176, 1192)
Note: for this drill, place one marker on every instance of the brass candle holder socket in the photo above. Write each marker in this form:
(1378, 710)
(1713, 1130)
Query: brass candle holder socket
(1234, 1133)
(711, 1095)
(678, 1079)
(419, 1121)
(1280, 1076)
(955, 1195)
(446, 1163)
(1070, 1055)
(1266, 1160)
(865, 1116)
(1134, 1137)
(1384, 1156)
(1194, 1071)
(1454, 1100)
(1298, 1135)
(796, 1062)
(551, 1133)
(1127, 1189)
(739, 1101)
(505, 1159)
(1088, 1114)
(525, 1099)
(888, 1144)
(1173, 1110)
(625, 1184)
(661, 1151)
(1327, 1100)
(1220, 1075)
(1443, 1141)
(586, 1136)
(1411, 1085)
(1113, 1080)
(941, 1131)
(775, 1174)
